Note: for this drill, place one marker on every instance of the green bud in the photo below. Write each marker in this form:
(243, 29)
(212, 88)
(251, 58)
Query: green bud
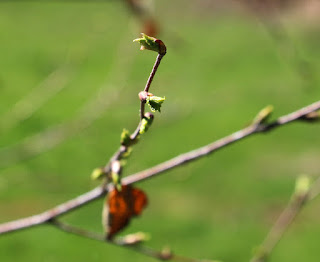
(155, 102)
(263, 115)
(146, 122)
(115, 174)
(166, 253)
(125, 137)
(116, 180)
(133, 239)
(151, 43)
(97, 173)
(302, 185)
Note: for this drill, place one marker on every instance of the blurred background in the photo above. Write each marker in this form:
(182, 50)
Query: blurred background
(69, 79)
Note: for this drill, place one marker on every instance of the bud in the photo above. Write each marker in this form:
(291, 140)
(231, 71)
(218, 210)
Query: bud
(302, 185)
(97, 173)
(125, 139)
(115, 174)
(263, 115)
(146, 122)
(166, 253)
(151, 43)
(135, 238)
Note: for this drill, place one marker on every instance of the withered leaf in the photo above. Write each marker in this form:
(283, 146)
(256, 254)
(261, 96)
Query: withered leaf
(121, 206)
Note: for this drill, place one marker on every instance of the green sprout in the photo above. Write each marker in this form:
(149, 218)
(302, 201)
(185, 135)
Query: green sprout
(151, 43)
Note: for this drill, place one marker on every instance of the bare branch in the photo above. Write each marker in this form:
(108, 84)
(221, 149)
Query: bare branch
(202, 151)
(161, 255)
(300, 197)
(77, 231)
(170, 164)
(52, 213)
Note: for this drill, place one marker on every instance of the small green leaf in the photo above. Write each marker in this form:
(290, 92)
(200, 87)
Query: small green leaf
(151, 43)
(155, 102)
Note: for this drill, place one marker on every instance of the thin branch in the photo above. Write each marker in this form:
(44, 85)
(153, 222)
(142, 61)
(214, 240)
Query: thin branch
(146, 89)
(279, 228)
(77, 231)
(52, 213)
(299, 199)
(215, 146)
(153, 72)
(170, 164)
(123, 149)
(161, 255)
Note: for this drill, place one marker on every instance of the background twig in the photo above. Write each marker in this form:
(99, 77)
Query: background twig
(297, 202)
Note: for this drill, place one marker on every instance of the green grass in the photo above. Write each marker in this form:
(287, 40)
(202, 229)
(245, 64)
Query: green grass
(218, 73)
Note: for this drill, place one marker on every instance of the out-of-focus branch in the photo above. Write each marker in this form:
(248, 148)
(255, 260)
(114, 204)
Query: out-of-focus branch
(302, 195)
(91, 111)
(143, 13)
(132, 242)
(170, 164)
(54, 83)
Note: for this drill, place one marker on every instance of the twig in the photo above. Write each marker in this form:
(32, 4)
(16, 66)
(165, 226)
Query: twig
(123, 149)
(202, 151)
(161, 255)
(77, 231)
(297, 202)
(52, 213)
(146, 89)
(278, 229)
(170, 164)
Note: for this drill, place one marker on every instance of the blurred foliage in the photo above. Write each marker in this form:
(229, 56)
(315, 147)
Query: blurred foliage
(220, 70)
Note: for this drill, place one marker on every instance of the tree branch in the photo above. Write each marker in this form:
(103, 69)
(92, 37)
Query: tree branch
(158, 169)
(123, 149)
(146, 89)
(302, 195)
(133, 245)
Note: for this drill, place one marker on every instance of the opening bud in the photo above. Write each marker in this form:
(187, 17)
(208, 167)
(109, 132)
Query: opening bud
(150, 43)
